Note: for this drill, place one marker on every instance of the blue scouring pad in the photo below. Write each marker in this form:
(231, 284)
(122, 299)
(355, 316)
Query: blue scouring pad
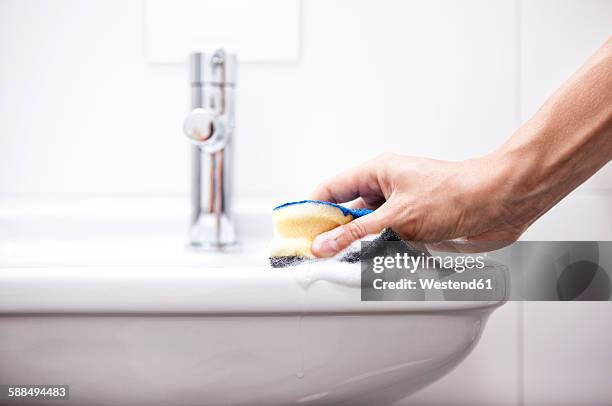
(345, 210)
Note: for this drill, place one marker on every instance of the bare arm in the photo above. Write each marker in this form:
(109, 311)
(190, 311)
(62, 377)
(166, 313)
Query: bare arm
(490, 198)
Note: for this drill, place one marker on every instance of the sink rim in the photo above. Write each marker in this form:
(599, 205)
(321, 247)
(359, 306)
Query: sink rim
(191, 290)
(174, 281)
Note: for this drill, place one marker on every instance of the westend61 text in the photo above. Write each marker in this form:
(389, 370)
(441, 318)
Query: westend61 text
(429, 284)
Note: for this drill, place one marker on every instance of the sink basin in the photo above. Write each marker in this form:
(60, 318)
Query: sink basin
(105, 297)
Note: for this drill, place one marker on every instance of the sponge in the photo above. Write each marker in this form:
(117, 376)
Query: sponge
(296, 224)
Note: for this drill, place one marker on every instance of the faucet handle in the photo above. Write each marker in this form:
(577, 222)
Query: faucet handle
(205, 129)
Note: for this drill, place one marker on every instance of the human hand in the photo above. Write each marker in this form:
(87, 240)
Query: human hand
(424, 200)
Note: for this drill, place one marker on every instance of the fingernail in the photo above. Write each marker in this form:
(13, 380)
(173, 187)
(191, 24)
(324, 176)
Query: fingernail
(325, 245)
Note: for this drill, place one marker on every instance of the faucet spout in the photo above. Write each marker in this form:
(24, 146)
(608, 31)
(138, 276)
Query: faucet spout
(210, 128)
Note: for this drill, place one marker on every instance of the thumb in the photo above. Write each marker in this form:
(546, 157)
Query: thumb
(331, 242)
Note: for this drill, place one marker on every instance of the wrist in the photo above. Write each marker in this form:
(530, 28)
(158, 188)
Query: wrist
(507, 188)
(521, 174)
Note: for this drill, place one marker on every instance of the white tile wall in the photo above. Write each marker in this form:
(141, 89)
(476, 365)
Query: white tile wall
(82, 113)
(567, 355)
(414, 77)
(259, 31)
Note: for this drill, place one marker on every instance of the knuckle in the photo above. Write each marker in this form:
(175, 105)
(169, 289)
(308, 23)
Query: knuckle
(386, 156)
(407, 232)
(388, 216)
(411, 225)
(321, 190)
(355, 230)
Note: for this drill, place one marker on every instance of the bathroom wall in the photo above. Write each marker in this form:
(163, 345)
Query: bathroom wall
(85, 111)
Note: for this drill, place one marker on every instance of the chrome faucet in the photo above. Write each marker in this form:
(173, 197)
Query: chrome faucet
(210, 128)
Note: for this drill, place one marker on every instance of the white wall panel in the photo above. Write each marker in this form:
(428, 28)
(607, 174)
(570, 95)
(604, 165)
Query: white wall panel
(84, 113)
(259, 31)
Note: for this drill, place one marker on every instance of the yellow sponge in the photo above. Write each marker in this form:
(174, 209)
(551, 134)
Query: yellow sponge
(296, 224)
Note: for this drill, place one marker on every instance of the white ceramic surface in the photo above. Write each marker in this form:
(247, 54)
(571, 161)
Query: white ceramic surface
(104, 297)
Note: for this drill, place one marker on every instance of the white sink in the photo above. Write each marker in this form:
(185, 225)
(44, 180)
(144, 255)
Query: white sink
(104, 297)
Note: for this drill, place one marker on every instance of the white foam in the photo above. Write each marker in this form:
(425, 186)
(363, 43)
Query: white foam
(327, 270)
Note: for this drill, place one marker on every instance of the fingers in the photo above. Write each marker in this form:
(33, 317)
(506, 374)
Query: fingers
(358, 203)
(372, 202)
(347, 185)
(330, 243)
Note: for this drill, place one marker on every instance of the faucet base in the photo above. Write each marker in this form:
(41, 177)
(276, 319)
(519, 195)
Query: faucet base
(213, 232)
(213, 247)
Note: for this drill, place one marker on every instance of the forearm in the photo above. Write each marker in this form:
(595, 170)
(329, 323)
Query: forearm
(566, 142)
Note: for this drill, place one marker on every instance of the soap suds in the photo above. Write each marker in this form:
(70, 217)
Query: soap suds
(327, 270)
